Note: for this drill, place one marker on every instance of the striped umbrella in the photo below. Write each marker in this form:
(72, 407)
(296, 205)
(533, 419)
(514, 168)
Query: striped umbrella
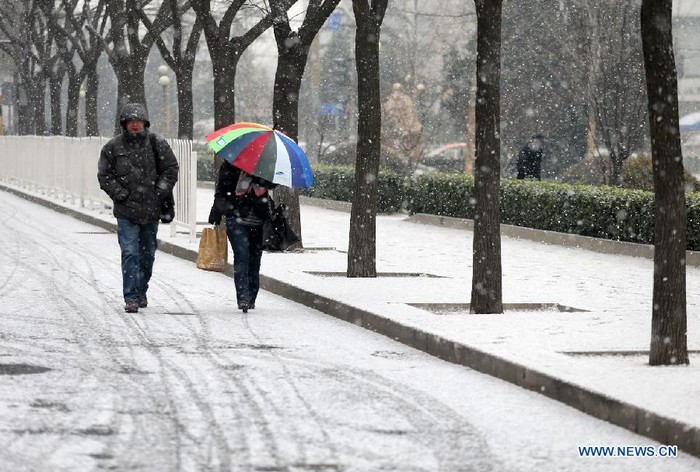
(264, 152)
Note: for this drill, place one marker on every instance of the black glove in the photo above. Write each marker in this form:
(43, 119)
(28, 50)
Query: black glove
(162, 194)
(122, 195)
(214, 216)
(162, 191)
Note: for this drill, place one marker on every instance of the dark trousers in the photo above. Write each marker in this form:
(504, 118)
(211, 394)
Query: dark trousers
(138, 244)
(246, 242)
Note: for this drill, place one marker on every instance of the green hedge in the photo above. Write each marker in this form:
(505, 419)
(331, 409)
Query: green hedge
(597, 211)
(441, 194)
(600, 212)
(334, 182)
(692, 201)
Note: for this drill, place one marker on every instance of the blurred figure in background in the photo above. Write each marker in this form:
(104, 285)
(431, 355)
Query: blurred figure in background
(530, 158)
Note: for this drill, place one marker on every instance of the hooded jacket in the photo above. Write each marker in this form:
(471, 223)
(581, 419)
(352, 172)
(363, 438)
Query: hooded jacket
(130, 173)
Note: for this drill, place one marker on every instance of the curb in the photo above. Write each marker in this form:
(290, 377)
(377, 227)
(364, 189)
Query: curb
(630, 417)
(633, 418)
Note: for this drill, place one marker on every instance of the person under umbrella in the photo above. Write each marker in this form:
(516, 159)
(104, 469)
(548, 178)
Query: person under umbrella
(244, 200)
(256, 158)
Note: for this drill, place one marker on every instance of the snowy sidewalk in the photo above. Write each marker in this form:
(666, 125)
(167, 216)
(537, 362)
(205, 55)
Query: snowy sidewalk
(593, 357)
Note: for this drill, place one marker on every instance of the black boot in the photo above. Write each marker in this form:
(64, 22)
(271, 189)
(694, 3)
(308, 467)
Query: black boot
(131, 306)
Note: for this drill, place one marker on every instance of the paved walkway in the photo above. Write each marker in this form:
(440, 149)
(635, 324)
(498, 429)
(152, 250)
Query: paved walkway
(576, 327)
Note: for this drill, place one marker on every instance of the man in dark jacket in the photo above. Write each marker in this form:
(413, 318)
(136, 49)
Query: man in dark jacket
(530, 158)
(138, 170)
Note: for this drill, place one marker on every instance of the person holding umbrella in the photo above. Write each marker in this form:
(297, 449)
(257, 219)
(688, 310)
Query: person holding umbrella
(244, 200)
(256, 158)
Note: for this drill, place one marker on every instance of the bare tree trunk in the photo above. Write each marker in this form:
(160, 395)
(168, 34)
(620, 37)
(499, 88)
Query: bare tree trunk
(37, 106)
(181, 61)
(25, 108)
(131, 87)
(669, 324)
(617, 87)
(185, 105)
(225, 52)
(72, 102)
(39, 103)
(224, 92)
(293, 50)
(362, 247)
(89, 44)
(55, 98)
(21, 23)
(29, 112)
(470, 149)
(616, 161)
(129, 63)
(486, 296)
(92, 85)
(285, 113)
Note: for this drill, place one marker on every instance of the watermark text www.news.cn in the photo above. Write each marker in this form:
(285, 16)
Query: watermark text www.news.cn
(628, 451)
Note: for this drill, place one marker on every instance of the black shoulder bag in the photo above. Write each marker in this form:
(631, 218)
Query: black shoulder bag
(277, 234)
(167, 205)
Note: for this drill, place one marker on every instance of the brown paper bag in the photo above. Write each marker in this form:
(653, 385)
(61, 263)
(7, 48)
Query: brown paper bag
(213, 250)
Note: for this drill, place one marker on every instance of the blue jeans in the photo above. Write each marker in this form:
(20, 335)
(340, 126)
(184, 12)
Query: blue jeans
(246, 242)
(138, 244)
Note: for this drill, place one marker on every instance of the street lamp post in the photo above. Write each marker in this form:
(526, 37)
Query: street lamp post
(81, 107)
(420, 95)
(164, 81)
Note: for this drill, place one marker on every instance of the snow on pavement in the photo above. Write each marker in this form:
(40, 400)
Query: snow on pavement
(191, 384)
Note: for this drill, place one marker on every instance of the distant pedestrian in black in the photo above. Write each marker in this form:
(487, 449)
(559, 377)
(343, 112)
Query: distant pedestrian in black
(530, 158)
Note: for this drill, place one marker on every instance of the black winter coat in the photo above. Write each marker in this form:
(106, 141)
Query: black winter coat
(529, 163)
(249, 209)
(133, 178)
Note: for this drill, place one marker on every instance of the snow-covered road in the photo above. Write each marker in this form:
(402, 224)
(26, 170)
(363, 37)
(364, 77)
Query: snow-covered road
(191, 384)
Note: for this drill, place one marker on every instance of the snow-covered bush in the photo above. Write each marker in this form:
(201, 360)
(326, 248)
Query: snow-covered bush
(207, 163)
(637, 173)
(596, 211)
(334, 182)
(444, 194)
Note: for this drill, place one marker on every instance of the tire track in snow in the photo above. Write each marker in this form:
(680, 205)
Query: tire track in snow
(289, 378)
(168, 369)
(427, 417)
(388, 398)
(14, 254)
(249, 407)
(57, 292)
(65, 307)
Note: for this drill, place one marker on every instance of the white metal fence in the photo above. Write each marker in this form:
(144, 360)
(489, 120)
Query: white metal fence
(66, 168)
